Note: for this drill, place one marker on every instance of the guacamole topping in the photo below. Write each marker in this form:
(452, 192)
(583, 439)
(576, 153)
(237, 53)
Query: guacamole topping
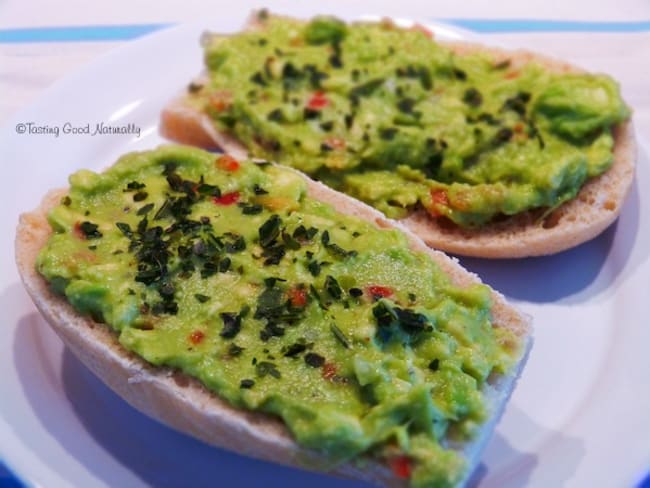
(231, 273)
(401, 122)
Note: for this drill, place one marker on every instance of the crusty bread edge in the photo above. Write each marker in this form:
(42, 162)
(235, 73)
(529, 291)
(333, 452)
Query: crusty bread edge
(595, 208)
(185, 405)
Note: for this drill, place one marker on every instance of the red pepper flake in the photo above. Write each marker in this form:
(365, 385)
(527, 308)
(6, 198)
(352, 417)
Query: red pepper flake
(420, 28)
(77, 231)
(196, 337)
(329, 371)
(221, 100)
(227, 198)
(227, 163)
(439, 197)
(401, 466)
(511, 75)
(378, 291)
(297, 297)
(518, 127)
(335, 142)
(318, 101)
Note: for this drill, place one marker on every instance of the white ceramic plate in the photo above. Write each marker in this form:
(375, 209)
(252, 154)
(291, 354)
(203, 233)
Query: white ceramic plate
(580, 415)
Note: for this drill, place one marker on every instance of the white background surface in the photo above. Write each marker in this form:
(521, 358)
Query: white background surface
(588, 371)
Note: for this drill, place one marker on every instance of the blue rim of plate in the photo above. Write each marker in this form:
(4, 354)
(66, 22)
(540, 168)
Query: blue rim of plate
(107, 33)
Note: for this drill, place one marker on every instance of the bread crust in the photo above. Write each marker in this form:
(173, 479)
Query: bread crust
(596, 207)
(184, 404)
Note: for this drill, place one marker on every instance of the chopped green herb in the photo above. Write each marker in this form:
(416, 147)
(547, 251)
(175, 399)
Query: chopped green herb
(194, 87)
(276, 115)
(124, 228)
(303, 234)
(314, 360)
(327, 126)
(224, 264)
(290, 242)
(145, 209)
(294, 349)
(252, 209)
(339, 335)
(236, 243)
(367, 88)
(90, 230)
(388, 134)
(234, 350)
(270, 230)
(258, 78)
(406, 105)
(502, 136)
(274, 254)
(310, 113)
(139, 196)
(325, 238)
(473, 97)
(134, 185)
(258, 190)
(317, 296)
(333, 288)
(314, 268)
(231, 325)
(266, 368)
(355, 292)
(517, 103)
(460, 74)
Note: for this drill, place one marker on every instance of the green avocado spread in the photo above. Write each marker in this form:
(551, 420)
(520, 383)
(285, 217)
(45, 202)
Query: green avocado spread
(229, 272)
(402, 122)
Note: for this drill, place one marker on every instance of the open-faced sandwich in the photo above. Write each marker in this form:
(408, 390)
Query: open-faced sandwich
(265, 313)
(480, 151)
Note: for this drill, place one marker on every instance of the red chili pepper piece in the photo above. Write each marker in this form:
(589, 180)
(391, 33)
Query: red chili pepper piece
(298, 297)
(196, 337)
(439, 197)
(77, 230)
(329, 371)
(401, 466)
(227, 198)
(420, 28)
(335, 142)
(378, 291)
(318, 101)
(227, 163)
(221, 100)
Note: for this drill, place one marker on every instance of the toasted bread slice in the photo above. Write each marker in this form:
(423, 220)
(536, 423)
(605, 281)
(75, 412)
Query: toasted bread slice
(185, 405)
(531, 233)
